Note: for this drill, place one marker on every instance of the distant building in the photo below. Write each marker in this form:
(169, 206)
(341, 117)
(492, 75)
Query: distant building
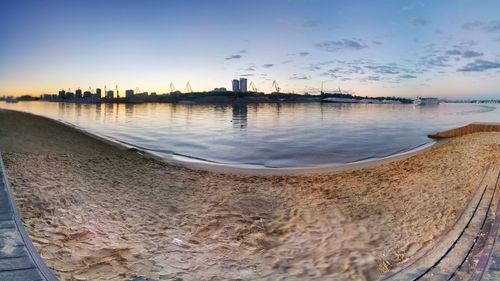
(236, 85)
(87, 94)
(243, 85)
(70, 95)
(129, 93)
(78, 94)
(220, 90)
(61, 94)
(153, 94)
(110, 94)
(98, 93)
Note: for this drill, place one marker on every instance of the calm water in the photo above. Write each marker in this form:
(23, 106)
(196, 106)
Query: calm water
(271, 135)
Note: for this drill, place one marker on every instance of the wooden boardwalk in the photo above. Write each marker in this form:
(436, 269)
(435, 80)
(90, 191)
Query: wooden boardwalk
(488, 266)
(465, 251)
(19, 259)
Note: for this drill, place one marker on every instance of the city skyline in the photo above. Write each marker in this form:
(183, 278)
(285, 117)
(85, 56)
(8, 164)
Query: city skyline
(389, 48)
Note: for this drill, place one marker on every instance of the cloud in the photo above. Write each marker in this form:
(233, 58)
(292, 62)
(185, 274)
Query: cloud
(373, 78)
(246, 75)
(268, 65)
(386, 68)
(465, 54)
(303, 54)
(407, 76)
(244, 51)
(454, 52)
(471, 54)
(466, 44)
(300, 77)
(313, 67)
(479, 66)
(344, 44)
(491, 26)
(376, 42)
(251, 68)
(368, 70)
(325, 62)
(471, 25)
(345, 70)
(233, 57)
(418, 22)
(311, 23)
(434, 60)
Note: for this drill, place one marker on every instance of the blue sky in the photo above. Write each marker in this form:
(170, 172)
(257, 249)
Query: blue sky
(402, 48)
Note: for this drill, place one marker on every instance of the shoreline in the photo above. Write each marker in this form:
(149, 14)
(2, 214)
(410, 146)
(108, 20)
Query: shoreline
(244, 169)
(98, 212)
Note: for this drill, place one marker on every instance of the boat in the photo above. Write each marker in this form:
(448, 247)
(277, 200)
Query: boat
(340, 100)
(426, 101)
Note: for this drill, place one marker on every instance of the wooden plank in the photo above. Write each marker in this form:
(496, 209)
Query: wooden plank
(15, 251)
(16, 263)
(5, 217)
(31, 274)
(7, 224)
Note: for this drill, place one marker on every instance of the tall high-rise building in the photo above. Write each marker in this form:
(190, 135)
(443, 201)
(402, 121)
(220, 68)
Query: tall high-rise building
(109, 94)
(78, 94)
(236, 85)
(61, 94)
(98, 93)
(243, 85)
(129, 93)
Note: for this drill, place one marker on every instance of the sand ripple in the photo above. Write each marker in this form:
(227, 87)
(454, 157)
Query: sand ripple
(96, 213)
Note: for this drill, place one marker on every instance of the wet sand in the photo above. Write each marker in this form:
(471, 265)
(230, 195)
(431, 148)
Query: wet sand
(99, 213)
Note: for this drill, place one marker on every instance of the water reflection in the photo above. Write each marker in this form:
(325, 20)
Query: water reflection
(240, 114)
(108, 110)
(129, 110)
(97, 111)
(277, 135)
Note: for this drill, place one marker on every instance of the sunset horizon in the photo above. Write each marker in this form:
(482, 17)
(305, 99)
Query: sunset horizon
(297, 140)
(384, 49)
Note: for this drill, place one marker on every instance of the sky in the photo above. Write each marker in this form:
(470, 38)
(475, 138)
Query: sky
(370, 48)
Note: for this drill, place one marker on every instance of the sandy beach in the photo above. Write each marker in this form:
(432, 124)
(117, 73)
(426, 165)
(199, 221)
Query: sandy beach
(99, 213)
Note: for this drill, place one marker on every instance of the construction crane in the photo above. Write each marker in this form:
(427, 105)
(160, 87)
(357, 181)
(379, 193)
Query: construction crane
(188, 88)
(117, 93)
(253, 88)
(172, 88)
(322, 87)
(276, 87)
